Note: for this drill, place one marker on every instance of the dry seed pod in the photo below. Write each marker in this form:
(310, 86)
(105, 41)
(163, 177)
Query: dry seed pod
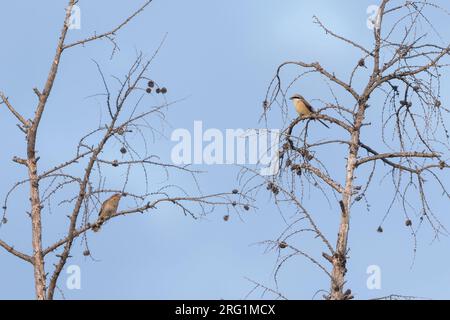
(282, 245)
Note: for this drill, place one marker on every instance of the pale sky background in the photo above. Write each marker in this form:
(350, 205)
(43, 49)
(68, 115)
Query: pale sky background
(221, 55)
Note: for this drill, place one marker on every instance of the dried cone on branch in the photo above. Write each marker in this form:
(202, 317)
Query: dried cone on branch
(109, 207)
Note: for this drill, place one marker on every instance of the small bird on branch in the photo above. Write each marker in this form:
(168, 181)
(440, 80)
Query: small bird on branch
(303, 107)
(109, 207)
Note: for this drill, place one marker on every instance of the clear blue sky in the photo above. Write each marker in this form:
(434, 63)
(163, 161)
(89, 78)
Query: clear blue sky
(222, 55)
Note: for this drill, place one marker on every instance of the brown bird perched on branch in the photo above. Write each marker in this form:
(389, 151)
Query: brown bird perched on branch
(303, 107)
(109, 207)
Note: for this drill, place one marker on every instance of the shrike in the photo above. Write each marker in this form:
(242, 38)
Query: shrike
(109, 207)
(303, 107)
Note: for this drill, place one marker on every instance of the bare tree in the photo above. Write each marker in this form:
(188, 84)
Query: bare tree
(388, 121)
(129, 124)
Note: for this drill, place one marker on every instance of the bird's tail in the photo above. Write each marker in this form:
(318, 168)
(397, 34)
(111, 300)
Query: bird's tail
(97, 225)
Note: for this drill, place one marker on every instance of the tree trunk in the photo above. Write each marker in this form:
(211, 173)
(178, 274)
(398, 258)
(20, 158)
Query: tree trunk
(38, 258)
(339, 259)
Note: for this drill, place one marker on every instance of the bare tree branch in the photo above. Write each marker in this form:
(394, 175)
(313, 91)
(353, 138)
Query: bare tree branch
(13, 111)
(18, 254)
(111, 32)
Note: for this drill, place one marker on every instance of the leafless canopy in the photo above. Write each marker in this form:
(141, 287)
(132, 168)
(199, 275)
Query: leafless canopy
(388, 120)
(130, 126)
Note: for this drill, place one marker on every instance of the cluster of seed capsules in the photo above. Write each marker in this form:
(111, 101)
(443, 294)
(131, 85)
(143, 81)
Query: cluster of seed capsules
(151, 85)
(234, 204)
